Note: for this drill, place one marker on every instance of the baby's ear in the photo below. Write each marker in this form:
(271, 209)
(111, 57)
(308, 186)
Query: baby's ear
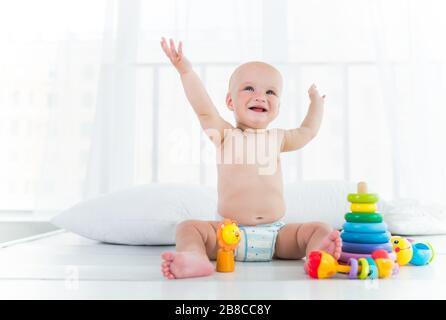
(229, 103)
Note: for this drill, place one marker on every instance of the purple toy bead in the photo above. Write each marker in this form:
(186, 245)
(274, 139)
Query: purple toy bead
(353, 263)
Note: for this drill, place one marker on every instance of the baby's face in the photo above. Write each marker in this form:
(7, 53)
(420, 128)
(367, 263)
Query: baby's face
(254, 95)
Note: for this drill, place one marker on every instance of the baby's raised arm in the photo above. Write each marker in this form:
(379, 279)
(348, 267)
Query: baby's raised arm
(296, 138)
(210, 120)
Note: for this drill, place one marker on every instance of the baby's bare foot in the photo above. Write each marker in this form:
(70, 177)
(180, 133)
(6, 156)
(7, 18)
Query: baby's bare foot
(187, 264)
(332, 244)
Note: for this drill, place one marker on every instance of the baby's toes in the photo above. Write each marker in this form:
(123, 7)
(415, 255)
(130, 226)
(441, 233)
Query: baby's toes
(168, 256)
(167, 274)
(165, 269)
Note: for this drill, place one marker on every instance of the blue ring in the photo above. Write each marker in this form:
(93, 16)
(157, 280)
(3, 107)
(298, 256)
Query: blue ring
(364, 227)
(357, 237)
(365, 247)
(373, 269)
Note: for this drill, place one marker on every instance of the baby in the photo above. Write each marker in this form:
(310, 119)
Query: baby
(250, 187)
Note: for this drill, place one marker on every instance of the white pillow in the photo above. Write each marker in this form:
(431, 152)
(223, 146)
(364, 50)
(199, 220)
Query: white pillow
(410, 217)
(142, 215)
(148, 214)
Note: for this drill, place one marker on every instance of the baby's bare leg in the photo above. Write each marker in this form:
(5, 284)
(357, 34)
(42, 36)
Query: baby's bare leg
(296, 241)
(196, 243)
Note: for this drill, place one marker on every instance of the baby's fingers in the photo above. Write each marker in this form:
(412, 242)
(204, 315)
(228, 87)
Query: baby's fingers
(165, 47)
(312, 88)
(172, 48)
(180, 49)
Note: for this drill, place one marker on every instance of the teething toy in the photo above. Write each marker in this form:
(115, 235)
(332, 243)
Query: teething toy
(322, 265)
(403, 250)
(228, 237)
(407, 252)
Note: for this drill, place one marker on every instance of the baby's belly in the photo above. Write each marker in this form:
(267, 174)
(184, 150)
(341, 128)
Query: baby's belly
(252, 211)
(251, 203)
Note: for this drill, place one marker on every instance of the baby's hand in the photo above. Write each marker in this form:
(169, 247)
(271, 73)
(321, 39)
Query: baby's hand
(176, 57)
(314, 95)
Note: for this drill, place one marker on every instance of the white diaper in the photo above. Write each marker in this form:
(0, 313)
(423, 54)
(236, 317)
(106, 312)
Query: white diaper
(258, 242)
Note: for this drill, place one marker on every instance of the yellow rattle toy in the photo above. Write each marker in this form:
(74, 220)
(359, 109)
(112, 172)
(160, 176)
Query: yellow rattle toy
(228, 236)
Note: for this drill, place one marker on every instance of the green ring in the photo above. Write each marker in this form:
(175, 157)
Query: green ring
(363, 217)
(363, 197)
(433, 252)
(365, 268)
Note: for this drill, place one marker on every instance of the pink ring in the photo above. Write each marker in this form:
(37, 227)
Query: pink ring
(353, 263)
(345, 256)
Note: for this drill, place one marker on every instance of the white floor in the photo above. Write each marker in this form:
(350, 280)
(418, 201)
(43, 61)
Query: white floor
(63, 265)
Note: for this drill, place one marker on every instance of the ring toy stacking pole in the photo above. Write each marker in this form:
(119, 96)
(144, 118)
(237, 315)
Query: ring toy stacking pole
(228, 237)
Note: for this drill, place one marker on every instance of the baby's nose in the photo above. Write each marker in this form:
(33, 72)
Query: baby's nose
(260, 99)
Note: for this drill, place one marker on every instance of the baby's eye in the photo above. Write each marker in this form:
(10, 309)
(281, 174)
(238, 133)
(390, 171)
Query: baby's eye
(270, 92)
(249, 88)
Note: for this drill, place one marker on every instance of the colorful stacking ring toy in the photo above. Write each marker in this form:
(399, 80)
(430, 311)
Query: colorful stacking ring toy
(363, 207)
(363, 217)
(365, 237)
(364, 227)
(365, 247)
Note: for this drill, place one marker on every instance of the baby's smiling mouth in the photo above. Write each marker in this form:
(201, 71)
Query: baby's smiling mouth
(258, 109)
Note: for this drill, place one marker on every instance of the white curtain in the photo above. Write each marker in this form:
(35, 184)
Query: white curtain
(380, 63)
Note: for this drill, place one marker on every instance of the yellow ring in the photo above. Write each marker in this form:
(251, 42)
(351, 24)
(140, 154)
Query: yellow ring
(364, 207)
(365, 268)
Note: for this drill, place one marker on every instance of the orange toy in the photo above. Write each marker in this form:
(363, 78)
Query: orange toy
(228, 236)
